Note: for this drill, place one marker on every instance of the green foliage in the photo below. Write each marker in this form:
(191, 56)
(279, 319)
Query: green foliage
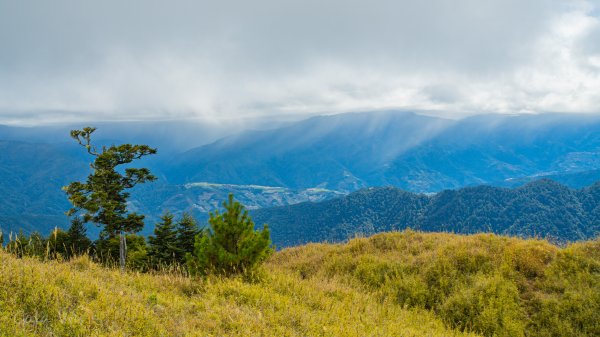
(172, 241)
(78, 242)
(17, 243)
(187, 230)
(35, 246)
(166, 250)
(103, 196)
(107, 251)
(232, 245)
(59, 244)
(163, 249)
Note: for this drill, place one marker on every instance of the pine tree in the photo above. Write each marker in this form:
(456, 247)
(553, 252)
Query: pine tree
(187, 229)
(231, 245)
(78, 242)
(163, 248)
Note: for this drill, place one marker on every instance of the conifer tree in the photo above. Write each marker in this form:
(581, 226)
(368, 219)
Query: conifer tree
(163, 248)
(187, 229)
(231, 245)
(78, 242)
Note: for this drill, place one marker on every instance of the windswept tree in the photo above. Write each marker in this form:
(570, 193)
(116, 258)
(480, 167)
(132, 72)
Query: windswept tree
(103, 197)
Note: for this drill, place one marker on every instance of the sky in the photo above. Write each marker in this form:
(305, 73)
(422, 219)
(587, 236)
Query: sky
(73, 60)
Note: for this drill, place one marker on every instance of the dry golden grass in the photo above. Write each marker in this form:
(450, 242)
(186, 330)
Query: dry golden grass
(392, 284)
(80, 298)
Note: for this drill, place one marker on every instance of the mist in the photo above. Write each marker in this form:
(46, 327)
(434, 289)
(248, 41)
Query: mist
(65, 61)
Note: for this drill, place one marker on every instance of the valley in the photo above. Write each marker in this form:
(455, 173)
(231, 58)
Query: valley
(312, 160)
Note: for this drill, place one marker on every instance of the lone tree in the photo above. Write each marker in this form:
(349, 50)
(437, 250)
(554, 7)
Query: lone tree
(231, 245)
(102, 197)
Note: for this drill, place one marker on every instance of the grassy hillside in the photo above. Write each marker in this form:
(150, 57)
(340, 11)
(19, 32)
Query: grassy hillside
(393, 284)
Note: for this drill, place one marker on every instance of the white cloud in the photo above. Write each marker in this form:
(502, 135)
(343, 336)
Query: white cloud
(179, 59)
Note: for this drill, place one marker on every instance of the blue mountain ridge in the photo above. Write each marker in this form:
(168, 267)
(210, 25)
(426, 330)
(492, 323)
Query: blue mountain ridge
(315, 159)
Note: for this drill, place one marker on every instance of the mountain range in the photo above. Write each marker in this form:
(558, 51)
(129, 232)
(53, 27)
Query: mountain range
(543, 208)
(316, 159)
(415, 152)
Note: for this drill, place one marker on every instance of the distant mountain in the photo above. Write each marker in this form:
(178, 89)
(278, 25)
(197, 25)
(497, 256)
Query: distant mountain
(577, 179)
(336, 152)
(417, 153)
(201, 198)
(169, 136)
(539, 209)
(31, 175)
(315, 159)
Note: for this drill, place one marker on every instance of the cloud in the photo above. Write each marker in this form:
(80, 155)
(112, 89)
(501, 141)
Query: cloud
(237, 59)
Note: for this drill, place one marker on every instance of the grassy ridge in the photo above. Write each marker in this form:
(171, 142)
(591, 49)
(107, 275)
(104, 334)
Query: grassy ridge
(490, 284)
(393, 284)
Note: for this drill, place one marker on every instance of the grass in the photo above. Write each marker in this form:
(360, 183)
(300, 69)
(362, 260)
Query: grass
(392, 284)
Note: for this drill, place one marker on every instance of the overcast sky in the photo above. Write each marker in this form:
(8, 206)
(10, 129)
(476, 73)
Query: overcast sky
(64, 60)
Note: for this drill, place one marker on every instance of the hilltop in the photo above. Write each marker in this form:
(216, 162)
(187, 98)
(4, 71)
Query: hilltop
(392, 284)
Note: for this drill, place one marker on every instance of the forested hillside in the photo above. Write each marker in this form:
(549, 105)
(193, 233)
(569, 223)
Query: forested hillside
(539, 209)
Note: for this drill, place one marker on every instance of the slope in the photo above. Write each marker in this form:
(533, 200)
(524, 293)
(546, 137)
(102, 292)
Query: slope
(80, 298)
(31, 177)
(414, 152)
(393, 284)
(542, 208)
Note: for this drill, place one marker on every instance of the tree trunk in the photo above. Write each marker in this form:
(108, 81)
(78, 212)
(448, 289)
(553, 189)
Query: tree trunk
(122, 251)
